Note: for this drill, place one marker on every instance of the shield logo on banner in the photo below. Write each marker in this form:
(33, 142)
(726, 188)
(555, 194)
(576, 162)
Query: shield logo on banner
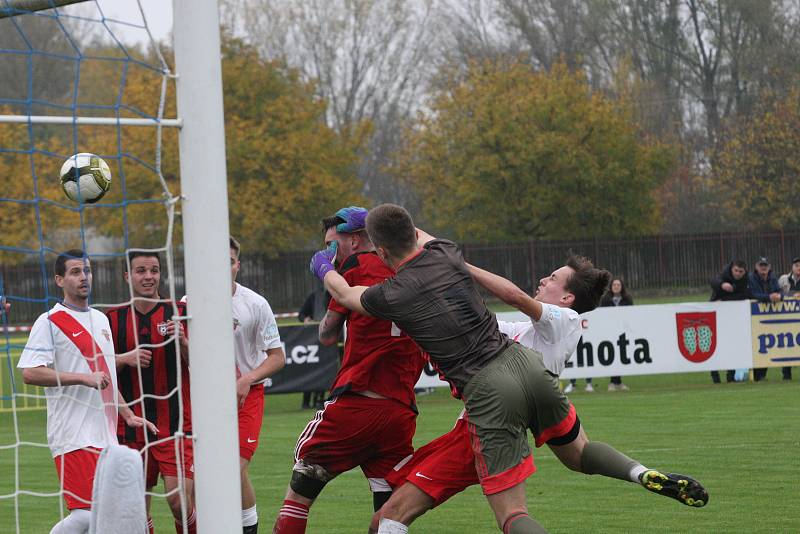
(162, 329)
(697, 335)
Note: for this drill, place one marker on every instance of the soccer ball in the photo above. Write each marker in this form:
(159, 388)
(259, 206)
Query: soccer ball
(85, 177)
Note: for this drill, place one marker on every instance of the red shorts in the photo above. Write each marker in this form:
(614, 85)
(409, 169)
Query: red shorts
(251, 416)
(162, 458)
(77, 478)
(446, 466)
(356, 431)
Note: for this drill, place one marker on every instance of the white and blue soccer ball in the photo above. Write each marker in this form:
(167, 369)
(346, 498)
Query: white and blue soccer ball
(85, 177)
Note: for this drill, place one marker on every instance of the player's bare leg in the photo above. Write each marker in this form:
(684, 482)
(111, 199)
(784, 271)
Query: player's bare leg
(595, 458)
(249, 515)
(407, 503)
(147, 492)
(511, 511)
(174, 502)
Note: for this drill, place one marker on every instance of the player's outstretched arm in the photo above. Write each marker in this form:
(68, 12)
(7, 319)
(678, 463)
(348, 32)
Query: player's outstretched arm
(508, 292)
(349, 297)
(46, 377)
(330, 327)
(423, 237)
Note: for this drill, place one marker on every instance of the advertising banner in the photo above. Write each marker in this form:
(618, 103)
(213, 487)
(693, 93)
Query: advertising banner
(618, 341)
(310, 366)
(776, 333)
(660, 338)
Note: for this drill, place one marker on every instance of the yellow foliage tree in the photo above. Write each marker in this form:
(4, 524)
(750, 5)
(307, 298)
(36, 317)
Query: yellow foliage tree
(757, 166)
(506, 153)
(286, 168)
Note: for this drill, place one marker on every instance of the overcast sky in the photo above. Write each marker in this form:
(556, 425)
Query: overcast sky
(157, 12)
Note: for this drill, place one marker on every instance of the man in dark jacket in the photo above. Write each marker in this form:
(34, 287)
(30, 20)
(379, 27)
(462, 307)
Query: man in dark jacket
(764, 287)
(730, 284)
(763, 282)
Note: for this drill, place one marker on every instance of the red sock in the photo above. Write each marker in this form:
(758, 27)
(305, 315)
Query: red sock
(150, 528)
(191, 524)
(292, 518)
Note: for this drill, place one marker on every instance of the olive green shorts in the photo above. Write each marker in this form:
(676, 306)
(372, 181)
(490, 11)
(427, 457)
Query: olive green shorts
(512, 393)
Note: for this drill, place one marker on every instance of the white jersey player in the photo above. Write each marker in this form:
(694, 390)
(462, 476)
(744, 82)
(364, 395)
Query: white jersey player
(70, 353)
(445, 466)
(259, 355)
(555, 335)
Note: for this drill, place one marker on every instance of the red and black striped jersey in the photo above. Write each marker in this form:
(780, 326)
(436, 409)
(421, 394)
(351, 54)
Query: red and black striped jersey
(159, 379)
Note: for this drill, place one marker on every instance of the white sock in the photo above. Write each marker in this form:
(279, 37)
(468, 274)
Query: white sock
(77, 522)
(388, 526)
(249, 517)
(636, 471)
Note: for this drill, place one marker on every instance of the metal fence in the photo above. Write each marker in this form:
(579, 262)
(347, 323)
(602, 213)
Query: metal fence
(668, 264)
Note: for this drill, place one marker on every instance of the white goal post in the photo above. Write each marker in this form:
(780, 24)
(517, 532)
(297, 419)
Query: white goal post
(207, 265)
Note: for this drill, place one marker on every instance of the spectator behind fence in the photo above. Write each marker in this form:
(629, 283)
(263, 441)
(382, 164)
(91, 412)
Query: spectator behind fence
(313, 310)
(730, 284)
(790, 283)
(616, 295)
(764, 286)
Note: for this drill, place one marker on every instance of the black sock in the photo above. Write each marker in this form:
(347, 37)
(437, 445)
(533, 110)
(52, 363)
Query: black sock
(252, 529)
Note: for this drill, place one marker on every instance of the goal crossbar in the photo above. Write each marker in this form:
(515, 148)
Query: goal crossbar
(94, 121)
(12, 8)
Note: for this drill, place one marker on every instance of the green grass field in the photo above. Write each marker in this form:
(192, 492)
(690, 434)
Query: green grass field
(741, 440)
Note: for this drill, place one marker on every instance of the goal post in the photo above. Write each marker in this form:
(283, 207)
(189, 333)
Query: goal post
(207, 265)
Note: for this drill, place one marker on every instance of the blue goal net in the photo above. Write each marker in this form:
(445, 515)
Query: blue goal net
(88, 77)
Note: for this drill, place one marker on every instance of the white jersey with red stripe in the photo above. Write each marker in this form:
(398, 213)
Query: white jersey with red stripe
(254, 329)
(76, 415)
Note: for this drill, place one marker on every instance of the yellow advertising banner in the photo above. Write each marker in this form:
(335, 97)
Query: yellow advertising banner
(776, 333)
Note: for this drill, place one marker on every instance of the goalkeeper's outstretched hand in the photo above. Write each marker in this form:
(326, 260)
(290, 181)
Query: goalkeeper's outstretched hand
(355, 218)
(322, 261)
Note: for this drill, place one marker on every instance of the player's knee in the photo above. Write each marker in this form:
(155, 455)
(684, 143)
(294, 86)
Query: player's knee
(174, 502)
(569, 447)
(406, 506)
(309, 479)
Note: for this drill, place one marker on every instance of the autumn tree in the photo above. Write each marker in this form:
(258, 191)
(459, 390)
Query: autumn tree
(286, 167)
(506, 153)
(758, 165)
(370, 60)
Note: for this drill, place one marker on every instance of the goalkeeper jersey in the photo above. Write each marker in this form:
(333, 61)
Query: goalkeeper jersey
(378, 357)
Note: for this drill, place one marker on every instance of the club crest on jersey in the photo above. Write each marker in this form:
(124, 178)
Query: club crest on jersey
(162, 328)
(697, 335)
(106, 334)
(236, 323)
